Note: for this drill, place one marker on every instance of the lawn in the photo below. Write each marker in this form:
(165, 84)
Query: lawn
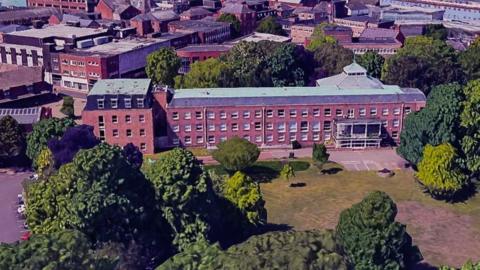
(446, 233)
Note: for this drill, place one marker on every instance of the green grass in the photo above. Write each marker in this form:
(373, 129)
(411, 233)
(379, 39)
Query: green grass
(446, 233)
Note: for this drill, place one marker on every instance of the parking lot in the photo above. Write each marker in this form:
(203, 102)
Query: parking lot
(370, 160)
(11, 227)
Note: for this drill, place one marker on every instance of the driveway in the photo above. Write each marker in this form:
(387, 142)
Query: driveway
(11, 228)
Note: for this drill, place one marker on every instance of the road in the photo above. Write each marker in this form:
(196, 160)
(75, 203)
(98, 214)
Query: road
(11, 228)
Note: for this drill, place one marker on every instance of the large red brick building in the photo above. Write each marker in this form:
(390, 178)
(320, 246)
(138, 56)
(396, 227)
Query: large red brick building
(78, 6)
(348, 110)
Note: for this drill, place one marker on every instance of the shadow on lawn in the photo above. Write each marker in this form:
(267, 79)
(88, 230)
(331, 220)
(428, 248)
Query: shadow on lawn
(331, 171)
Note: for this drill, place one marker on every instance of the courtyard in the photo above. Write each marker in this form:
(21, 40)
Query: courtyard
(445, 233)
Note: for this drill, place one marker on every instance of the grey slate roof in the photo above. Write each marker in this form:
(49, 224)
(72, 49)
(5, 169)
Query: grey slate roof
(121, 87)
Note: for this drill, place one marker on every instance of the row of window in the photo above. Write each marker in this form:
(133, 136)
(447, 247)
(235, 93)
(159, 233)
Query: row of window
(128, 133)
(258, 139)
(128, 119)
(281, 127)
(292, 113)
(114, 103)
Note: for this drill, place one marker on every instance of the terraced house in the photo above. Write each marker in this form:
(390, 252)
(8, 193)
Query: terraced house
(348, 110)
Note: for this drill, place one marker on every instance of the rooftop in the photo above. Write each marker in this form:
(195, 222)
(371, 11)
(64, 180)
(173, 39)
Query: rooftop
(121, 87)
(24, 116)
(123, 45)
(197, 11)
(18, 14)
(235, 8)
(60, 30)
(257, 37)
(13, 75)
(205, 48)
(372, 33)
(197, 25)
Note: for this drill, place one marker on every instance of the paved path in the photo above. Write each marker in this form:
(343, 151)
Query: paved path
(11, 228)
(354, 160)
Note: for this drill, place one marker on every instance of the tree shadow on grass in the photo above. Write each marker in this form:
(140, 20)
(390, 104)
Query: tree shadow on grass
(262, 174)
(331, 171)
(272, 227)
(423, 266)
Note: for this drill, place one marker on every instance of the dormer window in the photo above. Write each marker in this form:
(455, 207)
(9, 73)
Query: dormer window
(128, 103)
(140, 102)
(100, 103)
(114, 103)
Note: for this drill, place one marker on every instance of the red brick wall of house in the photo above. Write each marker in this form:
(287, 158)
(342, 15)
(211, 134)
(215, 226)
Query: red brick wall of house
(105, 11)
(65, 6)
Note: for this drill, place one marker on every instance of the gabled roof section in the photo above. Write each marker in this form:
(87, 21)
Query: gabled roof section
(235, 8)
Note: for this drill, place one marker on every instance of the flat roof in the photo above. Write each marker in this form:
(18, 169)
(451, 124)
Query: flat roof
(121, 87)
(122, 45)
(60, 30)
(257, 37)
(205, 48)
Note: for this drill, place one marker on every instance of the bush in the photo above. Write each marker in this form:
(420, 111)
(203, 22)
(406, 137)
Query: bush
(68, 107)
(319, 153)
(236, 154)
(287, 172)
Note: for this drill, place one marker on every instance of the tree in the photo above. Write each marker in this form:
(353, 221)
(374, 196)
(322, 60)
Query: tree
(287, 68)
(436, 31)
(270, 25)
(373, 62)
(318, 38)
(439, 173)
(235, 27)
(372, 239)
(319, 153)
(236, 154)
(12, 139)
(433, 58)
(301, 250)
(287, 172)
(245, 194)
(74, 139)
(331, 58)
(162, 66)
(437, 123)
(185, 196)
(202, 74)
(45, 163)
(68, 106)
(469, 60)
(470, 121)
(101, 195)
(469, 265)
(56, 251)
(43, 131)
(133, 155)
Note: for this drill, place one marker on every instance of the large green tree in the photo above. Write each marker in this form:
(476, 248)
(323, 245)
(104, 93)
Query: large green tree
(235, 27)
(372, 239)
(162, 66)
(245, 194)
(319, 38)
(43, 131)
(100, 194)
(438, 122)
(236, 154)
(287, 68)
(331, 58)
(68, 107)
(185, 196)
(469, 60)
(439, 172)
(202, 74)
(55, 251)
(437, 64)
(373, 62)
(12, 139)
(270, 25)
(304, 250)
(470, 121)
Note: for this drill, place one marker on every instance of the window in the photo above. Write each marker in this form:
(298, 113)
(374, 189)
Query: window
(129, 133)
(316, 136)
(234, 126)
(270, 126)
(210, 115)
(304, 136)
(175, 141)
(142, 132)
(223, 127)
(258, 138)
(384, 123)
(128, 103)
(198, 127)
(258, 126)
(141, 118)
(327, 126)
(258, 114)
(143, 146)
(100, 103)
(188, 116)
(176, 128)
(269, 138)
(339, 112)
(396, 123)
(281, 113)
(269, 113)
(128, 119)
(188, 140)
(140, 102)
(114, 103)
(281, 137)
(316, 126)
(246, 137)
(396, 111)
(373, 111)
(188, 128)
(115, 133)
(304, 113)
(328, 136)
(114, 119)
(362, 111)
(385, 111)
(223, 115)
(223, 138)
(246, 126)
(350, 113)
(175, 115)
(281, 127)
(395, 134)
(292, 127)
(293, 137)
(211, 127)
(408, 110)
(246, 114)
(211, 139)
(304, 126)
(235, 115)
(198, 115)
(293, 113)
(199, 139)
(327, 112)
(316, 112)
